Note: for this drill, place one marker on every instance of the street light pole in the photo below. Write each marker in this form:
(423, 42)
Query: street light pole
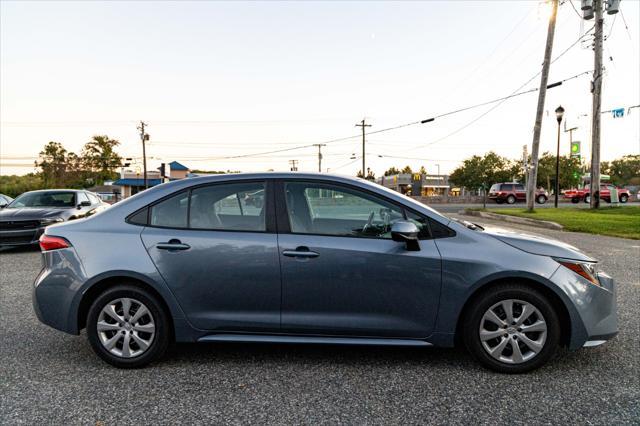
(559, 114)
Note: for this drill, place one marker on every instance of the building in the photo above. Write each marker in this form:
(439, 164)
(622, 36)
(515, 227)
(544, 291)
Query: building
(417, 184)
(108, 192)
(132, 181)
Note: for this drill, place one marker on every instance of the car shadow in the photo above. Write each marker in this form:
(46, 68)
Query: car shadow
(300, 353)
(19, 249)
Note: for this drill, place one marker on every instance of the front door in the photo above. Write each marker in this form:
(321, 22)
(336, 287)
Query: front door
(341, 272)
(214, 247)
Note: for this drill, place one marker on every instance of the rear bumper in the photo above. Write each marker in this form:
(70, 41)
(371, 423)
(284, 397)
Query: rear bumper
(593, 309)
(55, 290)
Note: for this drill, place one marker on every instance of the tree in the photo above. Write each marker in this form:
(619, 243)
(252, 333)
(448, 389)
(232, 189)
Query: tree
(53, 163)
(482, 172)
(570, 172)
(100, 158)
(625, 170)
(407, 170)
(422, 170)
(392, 171)
(15, 185)
(370, 175)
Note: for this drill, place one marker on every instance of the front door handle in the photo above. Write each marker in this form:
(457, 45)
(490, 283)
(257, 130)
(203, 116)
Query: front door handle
(302, 252)
(173, 244)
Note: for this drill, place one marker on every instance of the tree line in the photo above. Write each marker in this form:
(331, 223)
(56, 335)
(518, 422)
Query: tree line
(59, 168)
(483, 171)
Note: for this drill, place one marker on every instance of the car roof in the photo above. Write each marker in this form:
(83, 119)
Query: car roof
(56, 190)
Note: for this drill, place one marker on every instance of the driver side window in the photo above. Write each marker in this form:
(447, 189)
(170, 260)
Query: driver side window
(323, 209)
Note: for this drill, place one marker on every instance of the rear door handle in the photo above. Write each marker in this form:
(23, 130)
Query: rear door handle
(303, 252)
(173, 244)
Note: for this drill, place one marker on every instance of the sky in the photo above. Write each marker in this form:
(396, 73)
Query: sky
(225, 79)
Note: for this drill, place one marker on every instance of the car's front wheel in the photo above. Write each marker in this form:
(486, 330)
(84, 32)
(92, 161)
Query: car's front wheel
(541, 199)
(127, 327)
(512, 329)
(624, 198)
(511, 199)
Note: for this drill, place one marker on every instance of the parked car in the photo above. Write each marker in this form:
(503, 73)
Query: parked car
(324, 259)
(4, 200)
(24, 219)
(512, 192)
(583, 194)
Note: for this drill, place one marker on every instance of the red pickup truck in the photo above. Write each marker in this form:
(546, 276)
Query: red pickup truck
(582, 194)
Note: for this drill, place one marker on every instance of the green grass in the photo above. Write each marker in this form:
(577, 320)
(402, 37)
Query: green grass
(614, 221)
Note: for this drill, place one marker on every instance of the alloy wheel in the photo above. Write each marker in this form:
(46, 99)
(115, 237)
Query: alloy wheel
(513, 331)
(126, 327)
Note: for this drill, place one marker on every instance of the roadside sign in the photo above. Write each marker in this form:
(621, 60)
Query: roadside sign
(575, 149)
(618, 112)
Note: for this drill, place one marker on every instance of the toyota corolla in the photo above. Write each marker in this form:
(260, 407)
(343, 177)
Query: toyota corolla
(310, 258)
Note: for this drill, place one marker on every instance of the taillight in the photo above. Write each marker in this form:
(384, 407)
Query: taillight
(49, 242)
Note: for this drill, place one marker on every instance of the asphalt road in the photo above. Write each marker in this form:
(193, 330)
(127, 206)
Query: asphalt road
(47, 377)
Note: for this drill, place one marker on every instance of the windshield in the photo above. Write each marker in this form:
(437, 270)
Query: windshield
(44, 199)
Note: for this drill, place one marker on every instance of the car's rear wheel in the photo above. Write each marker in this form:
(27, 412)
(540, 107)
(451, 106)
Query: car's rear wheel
(127, 327)
(512, 329)
(587, 199)
(624, 198)
(541, 199)
(499, 201)
(511, 199)
(575, 200)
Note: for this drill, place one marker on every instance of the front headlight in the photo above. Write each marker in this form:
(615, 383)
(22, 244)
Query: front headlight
(587, 270)
(51, 221)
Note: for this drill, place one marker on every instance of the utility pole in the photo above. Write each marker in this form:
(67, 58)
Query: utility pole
(364, 169)
(319, 145)
(535, 148)
(294, 165)
(144, 137)
(596, 90)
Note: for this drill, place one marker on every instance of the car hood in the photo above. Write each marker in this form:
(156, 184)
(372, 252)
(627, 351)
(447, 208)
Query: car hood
(27, 213)
(536, 244)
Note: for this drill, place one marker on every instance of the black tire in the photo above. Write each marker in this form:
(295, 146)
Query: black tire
(499, 201)
(587, 199)
(476, 311)
(541, 199)
(161, 337)
(575, 200)
(511, 199)
(624, 198)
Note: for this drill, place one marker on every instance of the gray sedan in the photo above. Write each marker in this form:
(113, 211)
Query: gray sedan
(310, 258)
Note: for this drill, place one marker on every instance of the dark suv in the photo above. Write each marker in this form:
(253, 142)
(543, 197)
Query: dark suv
(512, 192)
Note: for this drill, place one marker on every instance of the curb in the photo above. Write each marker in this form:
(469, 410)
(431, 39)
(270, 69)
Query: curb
(514, 219)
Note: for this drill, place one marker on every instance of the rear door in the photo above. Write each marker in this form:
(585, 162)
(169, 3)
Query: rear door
(521, 194)
(217, 249)
(341, 272)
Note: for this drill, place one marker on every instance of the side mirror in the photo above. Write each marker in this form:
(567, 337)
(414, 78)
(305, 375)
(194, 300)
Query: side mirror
(84, 204)
(407, 232)
(3, 205)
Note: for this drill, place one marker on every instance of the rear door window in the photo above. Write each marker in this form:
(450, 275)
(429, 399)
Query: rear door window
(230, 207)
(507, 187)
(171, 212)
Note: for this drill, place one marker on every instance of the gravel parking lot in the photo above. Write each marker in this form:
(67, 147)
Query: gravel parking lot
(48, 377)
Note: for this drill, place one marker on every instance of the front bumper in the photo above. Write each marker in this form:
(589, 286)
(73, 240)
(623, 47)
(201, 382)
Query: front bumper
(20, 237)
(592, 308)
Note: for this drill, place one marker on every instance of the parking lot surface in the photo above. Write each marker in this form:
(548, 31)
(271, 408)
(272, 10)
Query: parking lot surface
(47, 377)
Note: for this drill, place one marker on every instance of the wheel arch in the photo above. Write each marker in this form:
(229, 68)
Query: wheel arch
(104, 282)
(567, 324)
